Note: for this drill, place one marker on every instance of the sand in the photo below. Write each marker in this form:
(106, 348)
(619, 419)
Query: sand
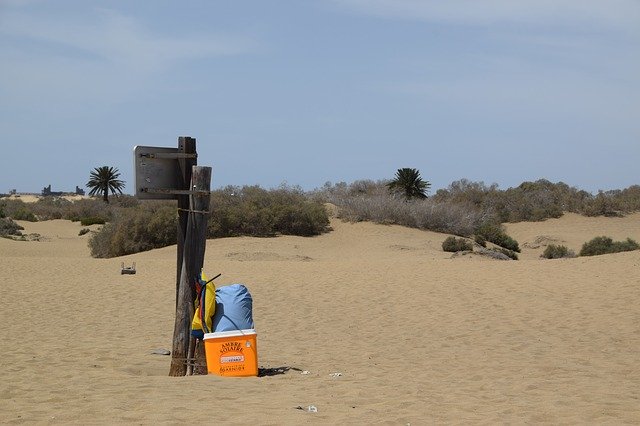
(419, 337)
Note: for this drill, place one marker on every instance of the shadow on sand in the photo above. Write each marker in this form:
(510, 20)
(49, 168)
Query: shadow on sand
(275, 371)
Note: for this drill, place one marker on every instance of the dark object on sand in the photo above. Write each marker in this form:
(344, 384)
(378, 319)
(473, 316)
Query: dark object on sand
(129, 270)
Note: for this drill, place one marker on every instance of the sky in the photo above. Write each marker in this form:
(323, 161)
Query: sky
(307, 92)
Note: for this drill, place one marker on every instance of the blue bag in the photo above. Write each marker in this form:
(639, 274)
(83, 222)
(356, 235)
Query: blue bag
(234, 308)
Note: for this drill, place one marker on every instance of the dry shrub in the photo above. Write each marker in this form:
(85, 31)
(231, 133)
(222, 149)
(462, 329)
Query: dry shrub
(9, 227)
(423, 214)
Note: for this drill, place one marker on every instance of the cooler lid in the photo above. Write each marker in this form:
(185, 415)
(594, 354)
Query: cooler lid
(232, 333)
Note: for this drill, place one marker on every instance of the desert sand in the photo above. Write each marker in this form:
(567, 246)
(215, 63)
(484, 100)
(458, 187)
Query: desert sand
(419, 336)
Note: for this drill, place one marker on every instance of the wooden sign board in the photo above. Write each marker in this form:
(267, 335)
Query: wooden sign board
(156, 172)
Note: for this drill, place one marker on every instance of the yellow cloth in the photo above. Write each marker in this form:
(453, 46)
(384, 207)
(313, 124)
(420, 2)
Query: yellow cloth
(209, 307)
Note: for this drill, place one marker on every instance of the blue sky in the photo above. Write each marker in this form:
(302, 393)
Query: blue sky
(308, 91)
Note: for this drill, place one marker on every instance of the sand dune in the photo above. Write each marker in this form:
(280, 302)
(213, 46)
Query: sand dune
(419, 337)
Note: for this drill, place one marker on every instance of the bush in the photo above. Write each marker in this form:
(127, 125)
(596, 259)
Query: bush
(251, 210)
(9, 227)
(509, 253)
(87, 208)
(88, 221)
(149, 226)
(83, 231)
(557, 252)
(480, 240)
(453, 244)
(369, 201)
(24, 214)
(495, 234)
(539, 200)
(47, 208)
(605, 245)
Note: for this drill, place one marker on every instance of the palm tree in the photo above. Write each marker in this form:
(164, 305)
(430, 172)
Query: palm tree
(409, 183)
(104, 179)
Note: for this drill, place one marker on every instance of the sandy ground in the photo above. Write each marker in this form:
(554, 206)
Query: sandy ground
(418, 337)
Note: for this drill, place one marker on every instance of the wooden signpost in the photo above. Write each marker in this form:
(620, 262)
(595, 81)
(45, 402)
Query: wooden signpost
(170, 173)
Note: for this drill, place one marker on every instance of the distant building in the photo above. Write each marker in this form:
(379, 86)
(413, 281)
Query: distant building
(46, 191)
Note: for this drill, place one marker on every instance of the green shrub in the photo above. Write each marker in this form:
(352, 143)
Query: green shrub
(149, 226)
(557, 252)
(510, 253)
(453, 244)
(480, 240)
(251, 210)
(495, 234)
(24, 214)
(84, 231)
(94, 220)
(605, 245)
(9, 227)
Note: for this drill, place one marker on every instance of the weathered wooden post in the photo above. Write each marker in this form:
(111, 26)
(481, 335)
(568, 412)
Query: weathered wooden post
(170, 173)
(186, 147)
(192, 262)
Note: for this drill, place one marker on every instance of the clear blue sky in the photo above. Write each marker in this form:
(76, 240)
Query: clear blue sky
(310, 91)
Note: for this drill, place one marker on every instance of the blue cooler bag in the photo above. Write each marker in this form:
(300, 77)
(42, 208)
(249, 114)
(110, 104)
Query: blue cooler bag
(234, 308)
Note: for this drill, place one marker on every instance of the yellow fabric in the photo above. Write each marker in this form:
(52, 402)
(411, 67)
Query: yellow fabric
(209, 307)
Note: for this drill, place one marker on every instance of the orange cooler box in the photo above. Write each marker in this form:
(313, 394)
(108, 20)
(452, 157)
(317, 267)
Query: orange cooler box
(232, 353)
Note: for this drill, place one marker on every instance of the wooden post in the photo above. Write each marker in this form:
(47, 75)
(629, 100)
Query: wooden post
(186, 145)
(191, 264)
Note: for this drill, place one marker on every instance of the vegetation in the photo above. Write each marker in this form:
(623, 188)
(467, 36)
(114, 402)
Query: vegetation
(371, 201)
(468, 208)
(480, 240)
(104, 180)
(48, 208)
(83, 231)
(145, 227)
(8, 227)
(92, 220)
(251, 210)
(509, 253)
(557, 252)
(465, 209)
(539, 200)
(24, 214)
(606, 245)
(453, 244)
(495, 234)
(235, 211)
(409, 183)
